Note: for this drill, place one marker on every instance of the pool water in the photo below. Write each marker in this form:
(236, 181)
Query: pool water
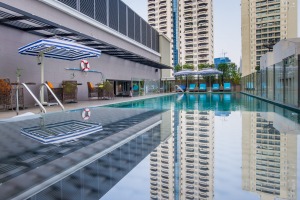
(182, 146)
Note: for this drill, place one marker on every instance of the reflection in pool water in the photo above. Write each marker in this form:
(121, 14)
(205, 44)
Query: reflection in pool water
(191, 146)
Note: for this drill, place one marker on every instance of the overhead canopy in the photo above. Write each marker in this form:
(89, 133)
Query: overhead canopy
(209, 72)
(59, 49)
(24, 21)
(185, 73)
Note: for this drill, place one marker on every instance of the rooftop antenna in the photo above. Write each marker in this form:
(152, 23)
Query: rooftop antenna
(223, 54)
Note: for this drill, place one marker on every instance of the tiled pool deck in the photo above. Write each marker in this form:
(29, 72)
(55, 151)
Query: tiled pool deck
(80, 104)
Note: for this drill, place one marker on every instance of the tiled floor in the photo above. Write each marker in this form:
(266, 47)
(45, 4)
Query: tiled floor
(71, 106)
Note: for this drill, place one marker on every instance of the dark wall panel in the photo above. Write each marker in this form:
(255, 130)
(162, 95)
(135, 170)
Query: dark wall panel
(118, 16)
(71, 3)
(144, 32)
(114, 14)
(101, 11)
(149, 31)
(87, 7)
(130, 15)
(122, 18)
(137, 28)
(153, 39)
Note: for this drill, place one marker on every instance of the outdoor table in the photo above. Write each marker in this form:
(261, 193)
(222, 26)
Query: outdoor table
(18, 84)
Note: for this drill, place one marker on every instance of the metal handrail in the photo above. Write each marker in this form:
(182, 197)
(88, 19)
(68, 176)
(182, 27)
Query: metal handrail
(34, 97)
(55, 97)
(179, 88)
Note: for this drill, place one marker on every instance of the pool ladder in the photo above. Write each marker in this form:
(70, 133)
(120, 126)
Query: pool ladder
(179, 88)
(37, 101)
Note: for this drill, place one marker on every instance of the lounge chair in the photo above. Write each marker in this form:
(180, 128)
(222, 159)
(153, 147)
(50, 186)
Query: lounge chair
(5, 94)
(192, 87)
(202, 87)
(227, 87)
(57, 91)
(8, 95)
(216, 87)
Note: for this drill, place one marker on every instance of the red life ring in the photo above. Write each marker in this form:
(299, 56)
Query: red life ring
(86, 114)
(85, 66)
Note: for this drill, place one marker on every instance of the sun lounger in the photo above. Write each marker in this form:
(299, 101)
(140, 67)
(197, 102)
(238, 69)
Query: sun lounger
(202, 87)
(192, 87)
(227, 87)
(216, 87)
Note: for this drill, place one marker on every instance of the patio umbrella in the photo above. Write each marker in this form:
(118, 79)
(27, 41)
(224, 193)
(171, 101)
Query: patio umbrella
(209, 72)
(57, 48)
(186, 73)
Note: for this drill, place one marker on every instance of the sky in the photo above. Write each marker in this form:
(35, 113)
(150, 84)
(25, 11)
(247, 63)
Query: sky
(227, 26)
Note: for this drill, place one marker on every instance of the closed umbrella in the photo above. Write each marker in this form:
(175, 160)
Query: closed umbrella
(59, 49)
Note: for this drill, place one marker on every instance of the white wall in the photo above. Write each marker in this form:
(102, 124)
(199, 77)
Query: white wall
(112, 67)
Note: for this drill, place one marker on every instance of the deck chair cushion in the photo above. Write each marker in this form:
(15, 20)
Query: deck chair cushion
(50, 85)
(90, 85)
(5, 87)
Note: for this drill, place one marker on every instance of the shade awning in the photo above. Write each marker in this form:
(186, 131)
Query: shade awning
(185, 73)
(209, 72)
(59, 49)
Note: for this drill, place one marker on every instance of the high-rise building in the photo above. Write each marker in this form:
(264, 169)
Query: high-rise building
(193, 176)
(269, 165)
(189, 25)
(264, 23)
(221, 60)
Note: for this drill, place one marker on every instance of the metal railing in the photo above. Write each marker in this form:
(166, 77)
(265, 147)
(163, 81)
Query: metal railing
(55, 97)
(34, 97)
(179, 88)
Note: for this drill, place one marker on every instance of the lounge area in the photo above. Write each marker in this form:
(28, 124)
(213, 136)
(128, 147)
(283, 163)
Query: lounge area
(204, 87)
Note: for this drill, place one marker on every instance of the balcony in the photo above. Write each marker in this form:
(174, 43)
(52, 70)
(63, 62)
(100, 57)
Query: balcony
(203, 163)
(204, 152)
(204, 168)
(203, 135)
(203, 157)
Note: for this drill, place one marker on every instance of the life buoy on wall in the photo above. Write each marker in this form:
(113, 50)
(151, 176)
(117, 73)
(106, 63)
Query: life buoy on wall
(86, 114)
(85, 65)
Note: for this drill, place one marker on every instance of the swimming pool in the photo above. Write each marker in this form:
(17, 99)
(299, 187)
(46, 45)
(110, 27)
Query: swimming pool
(183, 146)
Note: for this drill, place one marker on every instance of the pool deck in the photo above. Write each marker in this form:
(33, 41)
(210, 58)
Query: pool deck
(5, 114)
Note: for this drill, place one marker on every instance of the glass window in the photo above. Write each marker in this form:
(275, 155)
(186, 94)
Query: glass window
(270, 80)
(279, 82)
(264, 83)
(291, 83)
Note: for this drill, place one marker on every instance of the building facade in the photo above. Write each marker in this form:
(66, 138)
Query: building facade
(221, 60)
(264, 23)
(193, 40)
(130, 50)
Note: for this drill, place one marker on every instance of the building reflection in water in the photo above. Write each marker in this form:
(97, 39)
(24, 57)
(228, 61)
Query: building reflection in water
(269, 165)
(195, 143)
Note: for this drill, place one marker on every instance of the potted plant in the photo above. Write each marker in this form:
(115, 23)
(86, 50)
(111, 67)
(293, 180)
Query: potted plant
(18, 74)
(236, 80)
